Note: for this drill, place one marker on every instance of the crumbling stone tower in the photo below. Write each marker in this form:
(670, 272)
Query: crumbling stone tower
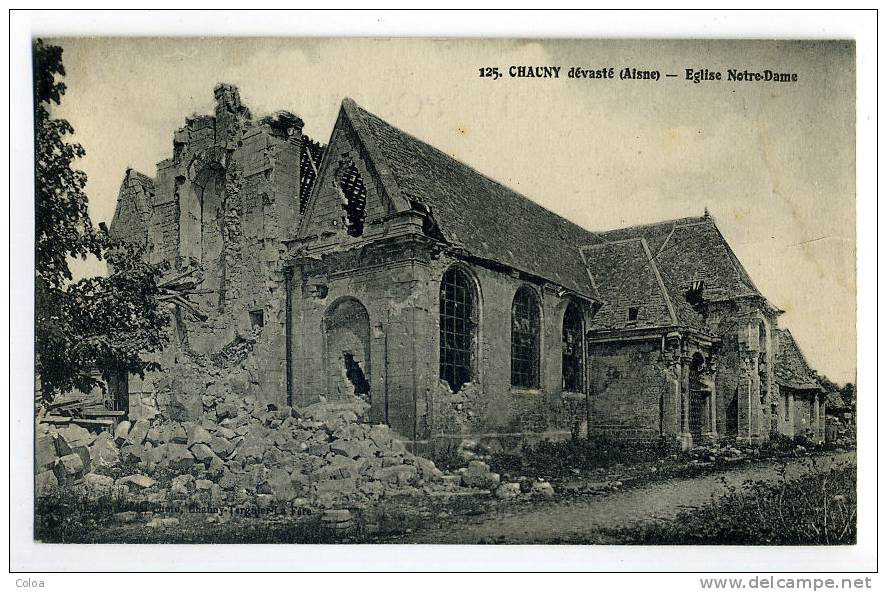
(219, 209)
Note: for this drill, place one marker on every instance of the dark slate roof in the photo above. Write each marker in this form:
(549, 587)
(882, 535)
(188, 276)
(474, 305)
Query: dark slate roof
(626, 277)
(792, 370)
(833, 400)
(681, 252)
(472, 211)
(692, 249)
(649, 266)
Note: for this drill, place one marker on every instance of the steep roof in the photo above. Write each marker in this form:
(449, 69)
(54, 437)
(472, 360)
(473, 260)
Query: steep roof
(627, 277)
(687, 250)
(474, 212)
(682, 253)
(649, 266)
(834, 401)
(792, 370)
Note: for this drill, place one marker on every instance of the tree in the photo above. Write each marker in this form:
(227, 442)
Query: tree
(848, 394)
(100, 323)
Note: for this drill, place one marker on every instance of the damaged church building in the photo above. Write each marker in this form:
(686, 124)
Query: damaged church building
(378, 266)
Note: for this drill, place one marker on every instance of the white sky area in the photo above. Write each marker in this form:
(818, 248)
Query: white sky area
(774, 163)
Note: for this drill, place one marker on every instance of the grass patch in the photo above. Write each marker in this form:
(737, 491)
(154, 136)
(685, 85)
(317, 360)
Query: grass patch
(563, 458)
(818, 508)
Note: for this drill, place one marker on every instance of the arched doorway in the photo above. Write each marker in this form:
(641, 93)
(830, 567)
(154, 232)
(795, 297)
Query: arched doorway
(700, 397)
(346, 327)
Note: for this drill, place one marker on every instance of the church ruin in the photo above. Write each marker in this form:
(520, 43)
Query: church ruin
(378, 266)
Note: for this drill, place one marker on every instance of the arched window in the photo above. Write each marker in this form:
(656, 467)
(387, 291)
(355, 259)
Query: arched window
(573, 359)
(457, 328)
(525, 339)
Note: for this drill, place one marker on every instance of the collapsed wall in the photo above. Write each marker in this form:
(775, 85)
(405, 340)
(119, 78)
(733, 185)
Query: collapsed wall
(218, 211)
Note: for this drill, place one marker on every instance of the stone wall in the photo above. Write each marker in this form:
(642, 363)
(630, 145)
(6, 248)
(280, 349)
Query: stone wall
(397, 283)
(633, 392)
(745, 382)
(491, 409)
(807, 417)
(132, 215)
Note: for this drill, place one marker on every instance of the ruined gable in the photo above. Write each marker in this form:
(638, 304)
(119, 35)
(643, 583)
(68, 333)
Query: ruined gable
(349, 195)
(132, 215)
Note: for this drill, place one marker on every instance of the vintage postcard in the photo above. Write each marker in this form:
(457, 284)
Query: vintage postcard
(445, 291)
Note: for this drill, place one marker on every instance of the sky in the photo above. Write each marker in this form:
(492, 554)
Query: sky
(774, 163)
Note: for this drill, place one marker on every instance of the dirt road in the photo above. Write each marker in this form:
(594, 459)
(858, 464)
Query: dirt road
(582, 519)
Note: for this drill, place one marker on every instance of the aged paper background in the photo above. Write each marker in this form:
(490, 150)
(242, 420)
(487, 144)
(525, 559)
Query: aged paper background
(158, 100)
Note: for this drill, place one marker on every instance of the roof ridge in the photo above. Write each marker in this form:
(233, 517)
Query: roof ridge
(685, 221)
(797, 348)
(665, 294)
(136, 174)
(615, 242)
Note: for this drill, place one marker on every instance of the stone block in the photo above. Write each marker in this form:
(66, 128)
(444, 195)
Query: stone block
(427, 470)
(337, 520)
(508, 490)
(478, 467)
(349, 448)
(348, 485)
(98, 485)
(281, 485)
(221, 446)
(226, 410)
(176, 434)
(198, 435)
(126, 517)
(138, 481)
(178, 457)
(44, 452)
(318, 448)
(156, 435)
(226, 433)
(480, 480)
(542, 489)
(76, 436)
(45, 482)
(132, 454)
(183, 406)
(138, 432)
(69, 468)
(203, 484)
(398, 475)
(163, 523)
(392, 460)
(121, 431)
(202, 453)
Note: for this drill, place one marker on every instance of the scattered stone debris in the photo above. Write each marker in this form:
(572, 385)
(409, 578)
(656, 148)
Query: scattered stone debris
(246, 453)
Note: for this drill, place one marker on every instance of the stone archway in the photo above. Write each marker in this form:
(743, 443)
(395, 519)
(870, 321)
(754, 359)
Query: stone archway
(346, 327)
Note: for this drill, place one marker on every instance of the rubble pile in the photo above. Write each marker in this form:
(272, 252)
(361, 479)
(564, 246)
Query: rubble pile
(244, 453)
